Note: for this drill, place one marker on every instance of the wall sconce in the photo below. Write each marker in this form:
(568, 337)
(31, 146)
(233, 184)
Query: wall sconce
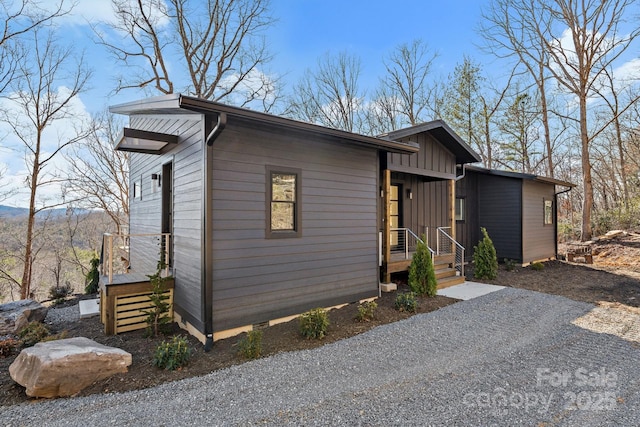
(409, 194)
(156, 177)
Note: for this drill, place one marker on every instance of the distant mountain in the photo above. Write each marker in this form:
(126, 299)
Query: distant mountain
(11, 212)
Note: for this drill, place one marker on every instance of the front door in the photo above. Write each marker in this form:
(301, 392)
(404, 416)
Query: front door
(167, 208)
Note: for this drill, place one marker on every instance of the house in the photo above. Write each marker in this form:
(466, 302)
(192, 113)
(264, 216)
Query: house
(517, 209)
(264, 217)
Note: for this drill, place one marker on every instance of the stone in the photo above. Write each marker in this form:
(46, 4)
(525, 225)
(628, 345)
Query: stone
(65, 367)
(17, 314)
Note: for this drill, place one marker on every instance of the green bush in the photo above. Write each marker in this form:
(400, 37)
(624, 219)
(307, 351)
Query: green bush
(172, 354)
(250, 346)
(537, 266)
(484, 258)
(33, 333)
(366, 311)
(92, 277)
(406, 302)
(422, 276)
(158, 319)
(314, 324)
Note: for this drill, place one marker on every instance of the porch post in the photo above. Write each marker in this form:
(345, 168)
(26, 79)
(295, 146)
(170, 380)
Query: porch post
(386, 233)
(452, 206)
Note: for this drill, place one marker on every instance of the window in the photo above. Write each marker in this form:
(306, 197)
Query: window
(460, 203)
(548, 212)
(283, 190)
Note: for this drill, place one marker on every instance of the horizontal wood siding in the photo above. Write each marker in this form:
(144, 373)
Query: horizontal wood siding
(255, 278)
(145, 214)
(433, 159)
(499, 211)
(468, 230)
(538, 238)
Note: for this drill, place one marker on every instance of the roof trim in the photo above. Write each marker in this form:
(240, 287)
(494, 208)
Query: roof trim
(178, 103)
(520, 175)
(463, 152)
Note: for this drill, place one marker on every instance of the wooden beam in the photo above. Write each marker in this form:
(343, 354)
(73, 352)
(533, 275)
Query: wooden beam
(386, 234)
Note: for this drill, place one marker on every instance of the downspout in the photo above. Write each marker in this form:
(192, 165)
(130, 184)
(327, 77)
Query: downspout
(464, 172)
(208, 229)
(555, 214)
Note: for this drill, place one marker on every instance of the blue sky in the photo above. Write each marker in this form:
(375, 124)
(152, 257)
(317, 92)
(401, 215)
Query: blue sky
(305, 30)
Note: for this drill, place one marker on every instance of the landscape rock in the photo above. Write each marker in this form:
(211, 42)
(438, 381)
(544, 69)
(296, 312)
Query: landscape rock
(17, 314)
(65, 367)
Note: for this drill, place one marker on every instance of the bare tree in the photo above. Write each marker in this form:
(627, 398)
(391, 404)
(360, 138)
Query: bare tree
(219, 44)
(517, 28)
(42, 93)
(330, 95)
(98, 175)
(18, 18)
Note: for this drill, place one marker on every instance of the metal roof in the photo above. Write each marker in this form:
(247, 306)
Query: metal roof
(181, 104)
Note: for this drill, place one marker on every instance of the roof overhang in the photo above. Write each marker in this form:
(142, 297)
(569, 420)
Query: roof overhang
(443, 133)
(177, 103)
(520, 175)
(143, 141)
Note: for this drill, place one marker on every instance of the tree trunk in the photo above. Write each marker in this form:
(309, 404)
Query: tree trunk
(25, 285)
(587, 200)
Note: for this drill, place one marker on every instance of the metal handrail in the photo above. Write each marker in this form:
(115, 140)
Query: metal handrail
(458, 261)
(404, 242)
(106, 267)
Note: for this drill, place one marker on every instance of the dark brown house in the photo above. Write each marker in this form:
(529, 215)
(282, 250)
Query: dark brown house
(267, 217)
(518, 210)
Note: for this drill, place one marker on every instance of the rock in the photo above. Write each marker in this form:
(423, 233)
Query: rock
(65, 367)
(17, 314)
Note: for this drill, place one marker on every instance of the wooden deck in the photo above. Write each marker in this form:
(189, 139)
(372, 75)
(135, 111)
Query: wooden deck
(123, 302)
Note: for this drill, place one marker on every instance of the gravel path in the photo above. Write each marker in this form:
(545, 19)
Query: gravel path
(508, 358)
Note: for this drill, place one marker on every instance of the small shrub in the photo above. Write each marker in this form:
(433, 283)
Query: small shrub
(366, 311)
(62, 335)
(422, 276)
(8, 346)
(509, 264)
(406, 302)
(250, 346)
(314, 324)
(537, 266)
(33, 333)
(158, 315)
(59, 293)
(92, 277)
(484, 258)
(172, 354)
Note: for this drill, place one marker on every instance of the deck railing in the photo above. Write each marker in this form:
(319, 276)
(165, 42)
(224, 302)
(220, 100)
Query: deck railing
(446, 245)
(115, 252)
(404, 243)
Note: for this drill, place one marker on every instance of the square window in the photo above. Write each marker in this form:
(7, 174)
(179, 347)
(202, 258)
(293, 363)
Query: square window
(283, 211)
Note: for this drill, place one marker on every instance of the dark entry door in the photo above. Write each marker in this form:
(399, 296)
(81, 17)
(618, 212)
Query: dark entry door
(167, 208)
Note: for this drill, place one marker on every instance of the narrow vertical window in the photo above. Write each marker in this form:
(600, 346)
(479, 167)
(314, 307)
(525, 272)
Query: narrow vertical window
(137, 189)
(460, 209)
(283, 203)
(548, 212)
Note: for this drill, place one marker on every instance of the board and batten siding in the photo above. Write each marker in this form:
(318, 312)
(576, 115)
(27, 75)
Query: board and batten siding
(433, 159)
(538, 238)
(468, 230)
(499, 211)
(256, 279)
(146, 212)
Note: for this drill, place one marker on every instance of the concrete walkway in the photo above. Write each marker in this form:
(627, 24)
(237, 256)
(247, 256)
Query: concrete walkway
(469, 290)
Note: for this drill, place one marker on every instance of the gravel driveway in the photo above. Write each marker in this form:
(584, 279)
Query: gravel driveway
(508, 358)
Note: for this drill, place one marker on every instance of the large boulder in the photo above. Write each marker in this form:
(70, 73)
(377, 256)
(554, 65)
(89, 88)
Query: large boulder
(64, 367)
(17, 314)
